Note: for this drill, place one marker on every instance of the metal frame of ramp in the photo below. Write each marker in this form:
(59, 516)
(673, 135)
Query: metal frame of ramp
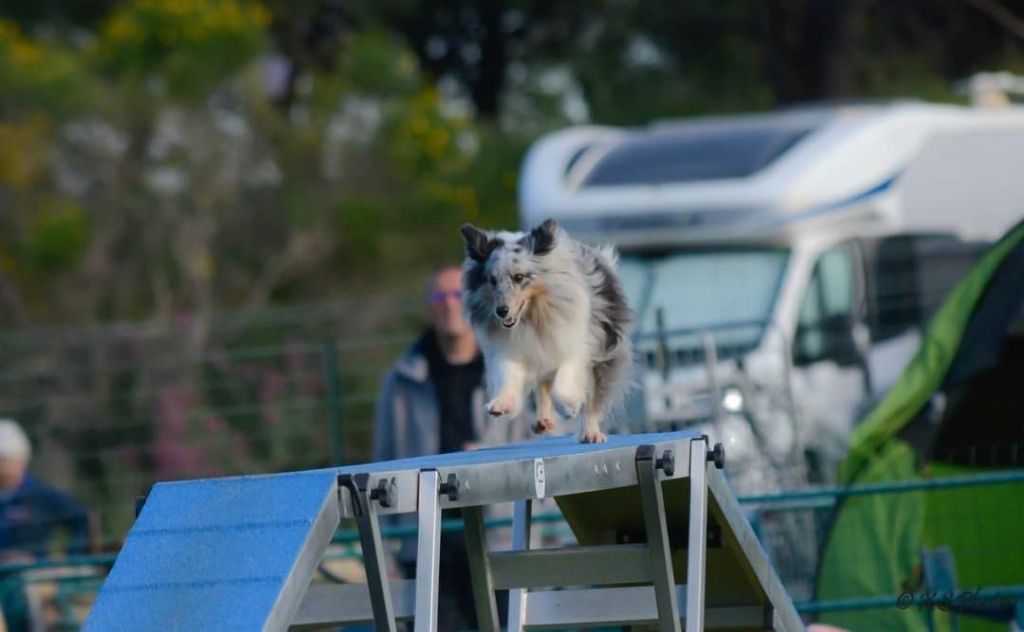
(663, 542)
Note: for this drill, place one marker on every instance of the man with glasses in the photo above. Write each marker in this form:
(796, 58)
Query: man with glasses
(432, 401)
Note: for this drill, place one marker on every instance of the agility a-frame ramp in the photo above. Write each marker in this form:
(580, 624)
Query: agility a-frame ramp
(663, 542)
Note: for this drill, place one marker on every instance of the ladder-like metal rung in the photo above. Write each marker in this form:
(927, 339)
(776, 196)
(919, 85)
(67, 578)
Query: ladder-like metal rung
(633, 605)
(349, 604)
(576, 566)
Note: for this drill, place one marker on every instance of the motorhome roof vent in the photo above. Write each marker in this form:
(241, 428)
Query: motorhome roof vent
(992, 89)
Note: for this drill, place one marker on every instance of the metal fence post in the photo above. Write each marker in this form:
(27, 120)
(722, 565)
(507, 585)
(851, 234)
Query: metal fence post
(332, 379)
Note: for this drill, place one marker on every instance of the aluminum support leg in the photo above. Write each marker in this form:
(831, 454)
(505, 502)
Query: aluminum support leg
(521, 523)
(480, 569)
(365, 508)
(657, 539)
(428, 550)
(698, 540)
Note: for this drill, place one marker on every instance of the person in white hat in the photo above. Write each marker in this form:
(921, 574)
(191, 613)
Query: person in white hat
(32, 512)
(31, 515)
(15, 452)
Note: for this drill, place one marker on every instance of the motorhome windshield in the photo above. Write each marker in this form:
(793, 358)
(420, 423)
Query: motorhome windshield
(668, 156)
(727, 292)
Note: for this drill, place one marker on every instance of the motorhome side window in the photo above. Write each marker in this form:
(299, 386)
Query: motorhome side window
(825, 328)
(909, 277)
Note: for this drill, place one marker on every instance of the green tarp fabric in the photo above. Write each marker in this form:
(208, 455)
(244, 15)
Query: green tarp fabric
(875, 542)
(984, 528)
(873, 549)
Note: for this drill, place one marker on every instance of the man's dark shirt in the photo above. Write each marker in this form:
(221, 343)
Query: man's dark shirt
(31, 515)
(454, 385)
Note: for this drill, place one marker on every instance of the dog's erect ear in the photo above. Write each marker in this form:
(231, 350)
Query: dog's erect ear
(478, 246)
(542, 238)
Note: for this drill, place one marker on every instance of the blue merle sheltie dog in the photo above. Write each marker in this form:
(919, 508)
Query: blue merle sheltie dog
(550, 316)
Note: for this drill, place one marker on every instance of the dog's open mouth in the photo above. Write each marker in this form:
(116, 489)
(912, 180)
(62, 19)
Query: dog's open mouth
(510, 322)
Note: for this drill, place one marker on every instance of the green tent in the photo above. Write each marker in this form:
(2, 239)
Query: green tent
(957, 409)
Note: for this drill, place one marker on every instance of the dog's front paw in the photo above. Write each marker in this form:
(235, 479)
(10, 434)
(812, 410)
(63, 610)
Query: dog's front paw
(592, 436)
(504, 407)
(543, 424)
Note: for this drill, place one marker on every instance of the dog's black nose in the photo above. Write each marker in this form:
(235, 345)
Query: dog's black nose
(501, 311)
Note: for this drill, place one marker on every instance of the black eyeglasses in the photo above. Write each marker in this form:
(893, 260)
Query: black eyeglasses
(441, 297)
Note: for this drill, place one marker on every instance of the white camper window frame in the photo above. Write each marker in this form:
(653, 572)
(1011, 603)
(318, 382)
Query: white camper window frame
(833, 293)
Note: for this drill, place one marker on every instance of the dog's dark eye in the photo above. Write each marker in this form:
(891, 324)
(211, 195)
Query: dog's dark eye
(518, 278)
(493, 279)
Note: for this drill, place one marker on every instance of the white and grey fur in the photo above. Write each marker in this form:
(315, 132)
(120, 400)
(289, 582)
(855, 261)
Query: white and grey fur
(550, 316)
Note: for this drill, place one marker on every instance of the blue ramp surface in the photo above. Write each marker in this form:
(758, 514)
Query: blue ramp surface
(221, 554)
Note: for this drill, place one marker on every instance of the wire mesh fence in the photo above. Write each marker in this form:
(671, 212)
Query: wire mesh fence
(112, 410)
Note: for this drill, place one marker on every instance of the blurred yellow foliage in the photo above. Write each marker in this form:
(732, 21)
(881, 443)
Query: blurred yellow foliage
(424, 137)
(459, 197)
(203, 265)
(24, 152)
(26, 63)
(195, 44)
(174, 22)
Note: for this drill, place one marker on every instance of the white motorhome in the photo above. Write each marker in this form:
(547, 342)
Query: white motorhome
(782, 265)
